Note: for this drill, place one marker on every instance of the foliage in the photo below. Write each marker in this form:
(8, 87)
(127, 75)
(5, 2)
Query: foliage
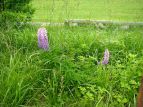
(68, 74)
(15, 11)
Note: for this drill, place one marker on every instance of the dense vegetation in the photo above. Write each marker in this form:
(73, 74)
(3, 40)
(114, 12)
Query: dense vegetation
(68, 74)
(15, 11)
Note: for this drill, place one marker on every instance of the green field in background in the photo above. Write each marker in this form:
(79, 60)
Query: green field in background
(59, 10)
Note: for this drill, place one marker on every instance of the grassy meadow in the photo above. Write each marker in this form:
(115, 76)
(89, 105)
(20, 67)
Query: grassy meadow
(59, 10)
(68, 74)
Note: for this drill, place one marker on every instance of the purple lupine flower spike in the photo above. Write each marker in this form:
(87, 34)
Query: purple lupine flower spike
(42, 38)
(106, 57)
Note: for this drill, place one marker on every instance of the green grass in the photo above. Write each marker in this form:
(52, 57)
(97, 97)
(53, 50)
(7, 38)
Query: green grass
(68, 75)
(59, 10)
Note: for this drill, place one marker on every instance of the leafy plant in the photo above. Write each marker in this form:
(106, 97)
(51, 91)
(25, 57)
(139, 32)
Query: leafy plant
(15, 11)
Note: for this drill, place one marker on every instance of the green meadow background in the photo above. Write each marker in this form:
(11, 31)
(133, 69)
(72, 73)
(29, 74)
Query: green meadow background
(59, 10)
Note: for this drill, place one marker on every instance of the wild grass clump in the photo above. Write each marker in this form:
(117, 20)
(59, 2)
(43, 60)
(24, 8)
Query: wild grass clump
(68, 73)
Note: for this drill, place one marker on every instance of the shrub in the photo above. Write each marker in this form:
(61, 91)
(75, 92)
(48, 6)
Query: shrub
(15, 11)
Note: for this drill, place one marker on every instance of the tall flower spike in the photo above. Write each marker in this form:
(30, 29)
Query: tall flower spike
(43, 39)
(106, 57)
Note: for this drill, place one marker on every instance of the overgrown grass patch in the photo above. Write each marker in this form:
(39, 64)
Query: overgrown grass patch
(68, 74)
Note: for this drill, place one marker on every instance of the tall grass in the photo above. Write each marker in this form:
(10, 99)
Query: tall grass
(68, 74)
